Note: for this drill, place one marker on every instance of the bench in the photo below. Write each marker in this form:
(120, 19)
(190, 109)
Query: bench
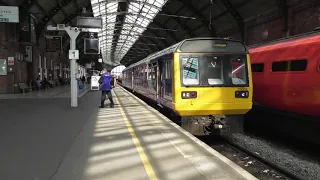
(23, 87)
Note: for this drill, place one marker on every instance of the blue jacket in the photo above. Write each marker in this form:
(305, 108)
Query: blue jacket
(105, 82)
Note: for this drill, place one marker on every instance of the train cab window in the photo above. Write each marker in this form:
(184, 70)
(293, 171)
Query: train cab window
(258, 67)
(238, 73)
(293, 65)
(214, 70)
(190, 70)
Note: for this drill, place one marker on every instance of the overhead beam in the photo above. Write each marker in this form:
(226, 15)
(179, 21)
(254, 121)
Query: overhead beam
(122, 7)
(48, 17)
(180, 23)
(153, 34)
(237, 6)
(236, 16)
(125, 1)
(27, 4)
(198, 14)
(284, 10)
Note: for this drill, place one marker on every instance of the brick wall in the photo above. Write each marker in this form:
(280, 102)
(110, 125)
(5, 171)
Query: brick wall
(8, 48)
(306, 19)
(304, 16)
(24, 71)
(54, 56)
(3, 84)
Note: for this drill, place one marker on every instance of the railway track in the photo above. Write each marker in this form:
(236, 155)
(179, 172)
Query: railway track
(263, 169)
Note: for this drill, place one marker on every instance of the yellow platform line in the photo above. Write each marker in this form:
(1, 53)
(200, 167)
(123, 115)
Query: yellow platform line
(143, 157)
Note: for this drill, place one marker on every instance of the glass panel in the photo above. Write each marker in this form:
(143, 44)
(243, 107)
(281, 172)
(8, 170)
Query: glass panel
(216, 70)
(259, 67)
(190, 71)
(293, 65)
(239, 74)
(132, 25)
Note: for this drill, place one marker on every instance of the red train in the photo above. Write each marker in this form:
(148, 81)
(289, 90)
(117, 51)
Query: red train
(286, 74)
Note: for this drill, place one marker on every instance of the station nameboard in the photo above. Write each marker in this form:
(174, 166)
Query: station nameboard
(53, 43)
(9, 14)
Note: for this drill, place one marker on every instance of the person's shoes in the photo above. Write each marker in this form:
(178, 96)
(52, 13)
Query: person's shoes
(111, 105)
(101, 106)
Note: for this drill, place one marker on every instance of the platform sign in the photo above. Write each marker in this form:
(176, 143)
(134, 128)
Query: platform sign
(74, 54)
(10, 61)
(9, 14)
(89, 22)
(95, 83)
(53, 43)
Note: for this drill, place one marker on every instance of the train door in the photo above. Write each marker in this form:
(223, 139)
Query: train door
(157, 81)
(152, 79)
(162, 83)
(132, 79)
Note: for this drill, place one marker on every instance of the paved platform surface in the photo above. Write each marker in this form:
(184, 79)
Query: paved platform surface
(134, 141)
(57, 92)
(35, 134)
(46, 139)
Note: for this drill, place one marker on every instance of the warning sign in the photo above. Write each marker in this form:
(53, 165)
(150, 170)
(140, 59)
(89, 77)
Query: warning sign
(10, 61)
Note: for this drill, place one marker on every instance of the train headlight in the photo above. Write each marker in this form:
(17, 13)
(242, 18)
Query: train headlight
(241, 94)
(189, 94)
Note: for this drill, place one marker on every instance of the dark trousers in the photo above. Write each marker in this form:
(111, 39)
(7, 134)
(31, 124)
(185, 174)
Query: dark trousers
(103, 97)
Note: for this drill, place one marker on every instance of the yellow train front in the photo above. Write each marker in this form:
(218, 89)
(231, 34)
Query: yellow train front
(206, 81)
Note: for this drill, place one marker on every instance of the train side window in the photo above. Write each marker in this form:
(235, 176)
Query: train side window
(319, 65)
(168, 69)
(294, 65)
(258, 67)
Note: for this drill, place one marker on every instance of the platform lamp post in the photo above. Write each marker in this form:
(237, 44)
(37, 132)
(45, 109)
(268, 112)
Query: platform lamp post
(84, 24)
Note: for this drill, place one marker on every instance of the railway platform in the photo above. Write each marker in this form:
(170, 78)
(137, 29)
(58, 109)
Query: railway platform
(134, 141)
(57, 92)
(46, 139)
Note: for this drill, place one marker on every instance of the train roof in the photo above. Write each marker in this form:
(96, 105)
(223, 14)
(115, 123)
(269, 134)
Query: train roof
(302, 39)
(175, 47)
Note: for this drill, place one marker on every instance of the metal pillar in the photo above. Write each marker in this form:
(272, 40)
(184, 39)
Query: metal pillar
(73, 34)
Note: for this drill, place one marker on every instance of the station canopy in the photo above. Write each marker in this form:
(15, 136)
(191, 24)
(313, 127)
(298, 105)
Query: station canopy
(118, 35)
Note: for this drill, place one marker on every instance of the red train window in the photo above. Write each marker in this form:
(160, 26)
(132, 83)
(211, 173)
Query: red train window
(318, 65)
(259, 67)
(292, 65)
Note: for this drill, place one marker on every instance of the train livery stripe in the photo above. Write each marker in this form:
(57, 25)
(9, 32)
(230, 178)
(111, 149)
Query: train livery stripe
(143, 156)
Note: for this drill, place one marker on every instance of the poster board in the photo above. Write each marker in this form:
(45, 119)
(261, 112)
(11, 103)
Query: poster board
(95, 83)
(3, 67)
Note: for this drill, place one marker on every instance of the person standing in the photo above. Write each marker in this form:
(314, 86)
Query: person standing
(106, 82)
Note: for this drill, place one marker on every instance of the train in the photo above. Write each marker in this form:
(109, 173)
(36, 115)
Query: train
(206, 82)
(286, 75)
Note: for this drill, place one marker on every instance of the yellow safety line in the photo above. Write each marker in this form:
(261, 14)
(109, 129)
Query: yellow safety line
(140, 150)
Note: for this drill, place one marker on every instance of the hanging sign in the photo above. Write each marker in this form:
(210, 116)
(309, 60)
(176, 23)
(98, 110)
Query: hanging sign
(10, 61)
(9, 14)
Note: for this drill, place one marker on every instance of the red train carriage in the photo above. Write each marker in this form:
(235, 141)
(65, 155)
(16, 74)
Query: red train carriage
(286, 74)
